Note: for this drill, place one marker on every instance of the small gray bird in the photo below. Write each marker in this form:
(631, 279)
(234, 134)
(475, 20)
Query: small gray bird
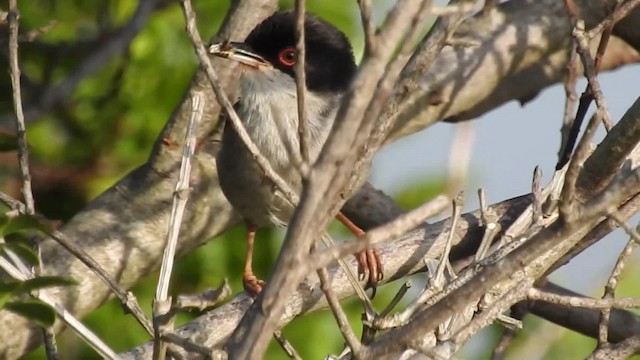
(268, 109)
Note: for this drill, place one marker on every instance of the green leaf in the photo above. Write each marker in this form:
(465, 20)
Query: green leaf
(34, 310)
(23, 222)
(8, 142)
(46, 281)
(24, 251)
(7, 289)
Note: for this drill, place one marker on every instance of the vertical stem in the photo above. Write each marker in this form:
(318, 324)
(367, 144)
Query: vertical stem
(23, 148)
(303, 126)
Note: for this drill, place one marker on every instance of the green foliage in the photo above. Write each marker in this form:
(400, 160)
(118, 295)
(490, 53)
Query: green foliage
(34, 310)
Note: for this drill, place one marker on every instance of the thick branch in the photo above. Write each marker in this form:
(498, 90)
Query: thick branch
(401, 257)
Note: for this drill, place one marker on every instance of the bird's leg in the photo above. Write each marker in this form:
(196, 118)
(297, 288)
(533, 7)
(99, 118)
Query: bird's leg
(369, 261)
(250, 282)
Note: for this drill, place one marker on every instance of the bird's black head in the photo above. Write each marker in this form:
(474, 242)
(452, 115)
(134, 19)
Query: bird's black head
(329, 62)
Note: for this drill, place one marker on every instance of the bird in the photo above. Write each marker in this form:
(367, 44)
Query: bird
(267, 108)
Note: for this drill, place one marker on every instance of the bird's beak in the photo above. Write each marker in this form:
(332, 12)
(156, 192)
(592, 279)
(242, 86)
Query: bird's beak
(238, 52)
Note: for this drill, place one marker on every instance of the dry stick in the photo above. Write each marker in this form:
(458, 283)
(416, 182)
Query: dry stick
(82, 331)
(23, 152)
(458, 203)
(538, 196)
(518, 312)
(204, 300)
(612, 282)
(371, 130)
(301, 82)
(338, 313)
(570, 101)
(568, 202)
(162, 320)
(623, 350)
(583, 302)
(367, 25)
(491, 227)
(593, 90)
(193, 347)
(286, 346)
(620, 12)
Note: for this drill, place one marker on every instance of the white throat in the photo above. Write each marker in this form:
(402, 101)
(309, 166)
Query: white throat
(269, 110)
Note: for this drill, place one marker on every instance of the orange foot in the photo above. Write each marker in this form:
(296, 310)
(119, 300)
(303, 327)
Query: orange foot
(252, 284)
(370, 266)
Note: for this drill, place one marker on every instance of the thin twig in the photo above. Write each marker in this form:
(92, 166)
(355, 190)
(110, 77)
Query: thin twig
(612, 282)
(286, 346)
(23, 152)
(338, 313)
(583, 302)
(569, 104)
(567, 196)
(620, 12)
(303, 125)
(204, 300)
(538, 196)
(367, 25)
(490, 224)
(593, 90)
(193, 347)
(180, 198)
(458, 203)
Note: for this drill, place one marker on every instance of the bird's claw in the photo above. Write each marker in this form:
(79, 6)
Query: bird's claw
(252, 285)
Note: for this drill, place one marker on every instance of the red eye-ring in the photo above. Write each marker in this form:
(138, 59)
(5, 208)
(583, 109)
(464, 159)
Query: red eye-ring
(287, 57)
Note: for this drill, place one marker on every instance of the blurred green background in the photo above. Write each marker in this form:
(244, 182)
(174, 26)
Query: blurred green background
(84, 144)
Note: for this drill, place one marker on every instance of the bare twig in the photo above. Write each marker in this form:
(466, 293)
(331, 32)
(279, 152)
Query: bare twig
(622, 350)
(571, 97)
(194, 347)
(303, 125)
(567, 197)
(583, 302)
(180, 198)
(368, 26)
(338, 313)
(612, 283)
(593, 90)
(490, 224)
(286, 346)
(203, 301)
(458, 204)
(622, 9)
(23, 151)
(538, 196)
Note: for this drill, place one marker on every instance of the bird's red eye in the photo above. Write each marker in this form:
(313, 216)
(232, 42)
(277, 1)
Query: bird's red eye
(287, 57)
